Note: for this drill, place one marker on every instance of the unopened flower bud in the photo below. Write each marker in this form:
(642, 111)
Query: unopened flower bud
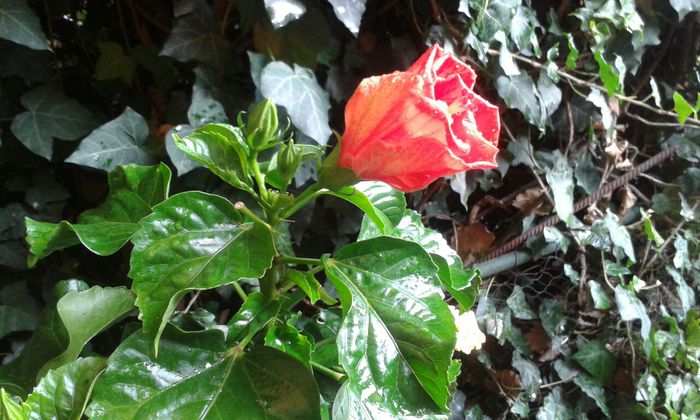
(289, 158)
(262, 124)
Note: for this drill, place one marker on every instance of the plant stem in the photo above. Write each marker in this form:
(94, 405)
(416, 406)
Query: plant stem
(259, 177)
(240, 206)
(328, 372)
(239, 291)
(298, 261)
(312, 192)
(268, 283)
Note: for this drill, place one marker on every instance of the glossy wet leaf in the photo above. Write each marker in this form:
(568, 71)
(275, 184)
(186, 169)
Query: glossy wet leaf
(555, 406)
(589, 386)
(104, 230)
(193, 241)
(385, 198)
(398, 334)
(222, 149)
(286, 338)
(197, 376)
(460, 283)
(9, 408)
(118, 142)
(281, 12)
(49, 115)
(63, 393)
(63, 331)
(298, 91)
(600, 297)
(19, 24)
(517, 303)
(253, 315)
(529, 373)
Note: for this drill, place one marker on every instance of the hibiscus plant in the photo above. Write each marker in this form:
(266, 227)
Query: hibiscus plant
(364, 332)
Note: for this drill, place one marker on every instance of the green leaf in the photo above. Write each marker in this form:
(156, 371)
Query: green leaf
(63, 393)
(204, 109)
(650, 230)
(632, 308)
(308, 283)
(298, 91)
(18, 309)
(682, 107)
(253, 316)
(114, 64)
(462, 284)
(9, 409)
(282, 12)
(286, 338)
(195, 37)
(593, 357)
(104, 230)
(118, 142)
(19, 24)
(398, 335)
(350, 13)
(193, 241)
(516, 301)
(50, 115)
(585, 383)
(222, 149)
(619, 235)
(63, 332)
(519, 92)
(560, 178)
(385, 198)
(197, 376)
(356, 197)
(683, 7)
(555, 406)
(572, 56)
(600, 298)
(587, 176)
(610, 77)
(529, 373)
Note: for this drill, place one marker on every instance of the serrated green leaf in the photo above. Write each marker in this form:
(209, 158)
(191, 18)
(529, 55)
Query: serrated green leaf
(114, 64)
(197, 376)
(210, 247)
(104, 230)
(50, 115)
(63, 393)
(19, 24)
(63, 331)
(398, 335)
(286, 338)
(222, 149)
(298, 91)
(597, 361)
(118, 142)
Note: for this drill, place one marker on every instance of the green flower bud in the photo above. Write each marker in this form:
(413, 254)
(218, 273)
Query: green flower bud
(262, 124)
(289, 158)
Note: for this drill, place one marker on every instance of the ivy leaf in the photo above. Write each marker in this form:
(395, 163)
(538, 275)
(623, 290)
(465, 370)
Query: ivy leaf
(519, 92)
(221, 148)
(560, 178)
(585, 383)
(50, 115)
(350, 13)
(555, 406)
(211, 247)
(19, 24)
(682, 107)
(600, 298)
(587, 176)
(398, 334)
(117, 142)
(104, 230)
(632, 308)
(610, 77)
(63, 332)
(683, 7)
(619, 235)
(18, 309)
(572, 56)
(518, 304)
(529, 373)
(298, 91)
(281, 12)
(593, 357)
(114, 64)
(196, 375)
(63, 393)
(195, 37)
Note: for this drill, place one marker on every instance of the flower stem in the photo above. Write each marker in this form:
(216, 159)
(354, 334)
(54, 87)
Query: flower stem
(312, 192)
(240, 206)
(259, 177)
(327, 371)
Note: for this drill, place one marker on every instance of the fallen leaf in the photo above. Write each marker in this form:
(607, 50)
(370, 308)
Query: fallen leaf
(503, 381)
(537, 338)
(627, 200)
(532, 200)
(472, 239)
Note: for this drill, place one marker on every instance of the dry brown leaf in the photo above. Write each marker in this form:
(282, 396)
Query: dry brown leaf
(503, 381)
(472, 239)
(627, 200)
(537, 338)
(532, 200)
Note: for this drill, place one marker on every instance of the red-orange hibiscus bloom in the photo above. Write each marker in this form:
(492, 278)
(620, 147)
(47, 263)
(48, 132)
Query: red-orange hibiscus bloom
(410, 128)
